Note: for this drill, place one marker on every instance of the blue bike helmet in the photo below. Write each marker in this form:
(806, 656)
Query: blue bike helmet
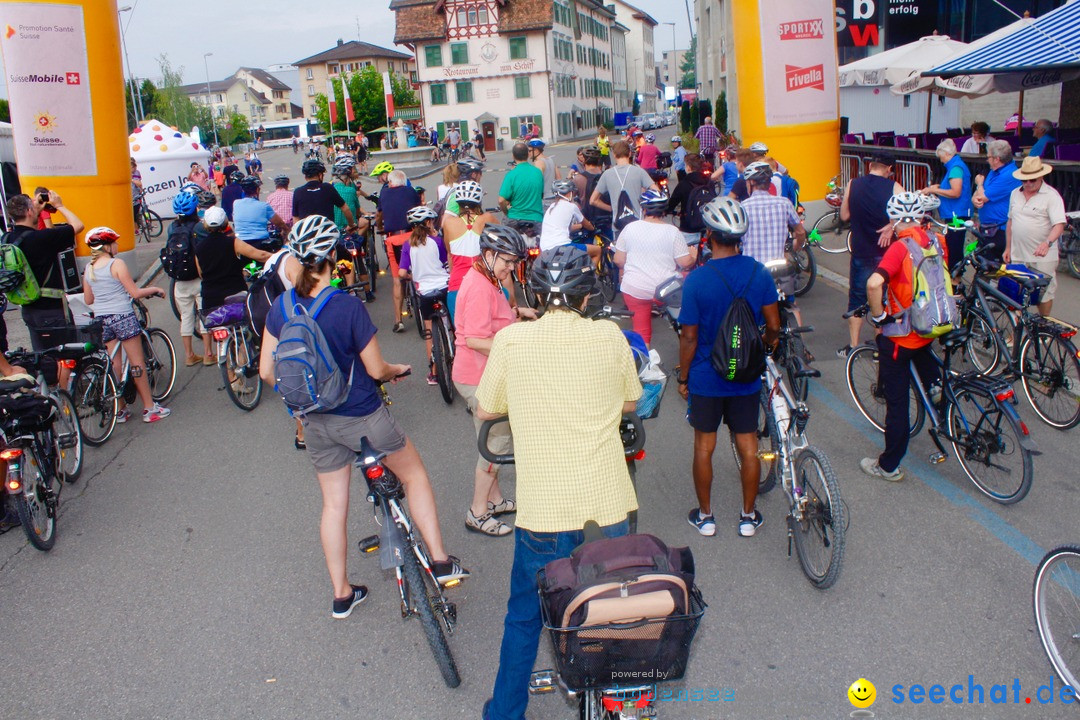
(653, 202)
(185, 204)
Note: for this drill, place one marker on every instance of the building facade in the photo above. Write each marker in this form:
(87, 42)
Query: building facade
(671, 68)
(713, 21)
(624, 94)
(252, 92)
(316, 71)
(500, 65)
(640, 54)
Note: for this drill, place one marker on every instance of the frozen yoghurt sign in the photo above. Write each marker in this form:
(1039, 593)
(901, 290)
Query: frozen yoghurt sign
(798, 55)
(48, 84)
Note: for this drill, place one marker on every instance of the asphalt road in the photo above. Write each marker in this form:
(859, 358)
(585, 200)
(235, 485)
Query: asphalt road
(187, 579)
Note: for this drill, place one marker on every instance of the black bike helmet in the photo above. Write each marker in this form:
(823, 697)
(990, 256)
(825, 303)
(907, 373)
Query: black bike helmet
(503, 240)
(236, 176)
(206, 199)
(563, 275)
(281, 181)
(468, 166)
(312, 167)
(591, 155)
(10, 280)
(250, 184)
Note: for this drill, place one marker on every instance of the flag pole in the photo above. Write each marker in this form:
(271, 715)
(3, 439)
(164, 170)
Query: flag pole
(345, 101)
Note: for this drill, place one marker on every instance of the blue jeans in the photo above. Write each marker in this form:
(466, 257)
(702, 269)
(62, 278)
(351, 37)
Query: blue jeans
(521, 630)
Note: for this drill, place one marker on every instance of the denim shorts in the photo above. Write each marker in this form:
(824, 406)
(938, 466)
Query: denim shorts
(859, 271)
(120, 327)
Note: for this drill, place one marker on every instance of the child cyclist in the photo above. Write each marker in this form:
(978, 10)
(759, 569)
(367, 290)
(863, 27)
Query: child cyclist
(563, 217)
(424, 258)
(108, 289)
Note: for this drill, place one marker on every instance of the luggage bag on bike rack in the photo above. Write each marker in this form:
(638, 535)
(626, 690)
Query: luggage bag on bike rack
(25, 412)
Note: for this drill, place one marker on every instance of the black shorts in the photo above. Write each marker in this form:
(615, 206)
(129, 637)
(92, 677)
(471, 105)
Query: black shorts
(738, 412)
(427, 303)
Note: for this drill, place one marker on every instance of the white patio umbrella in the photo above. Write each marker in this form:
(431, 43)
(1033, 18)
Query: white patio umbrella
(896, 65)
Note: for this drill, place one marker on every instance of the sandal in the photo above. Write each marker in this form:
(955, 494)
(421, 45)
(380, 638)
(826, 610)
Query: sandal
(486, 524)
(504, 507)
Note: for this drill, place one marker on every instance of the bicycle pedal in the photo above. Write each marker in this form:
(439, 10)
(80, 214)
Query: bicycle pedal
(937, 458)
(541, 682)
(369, 544)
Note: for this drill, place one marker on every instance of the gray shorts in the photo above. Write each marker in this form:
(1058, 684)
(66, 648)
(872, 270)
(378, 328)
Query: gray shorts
(333, 440)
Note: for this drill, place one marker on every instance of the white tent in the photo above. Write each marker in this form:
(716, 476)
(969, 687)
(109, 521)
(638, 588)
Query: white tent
(164, 155)
(892, 66)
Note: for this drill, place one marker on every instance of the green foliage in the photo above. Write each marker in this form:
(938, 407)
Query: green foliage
(695, 123)
(636, 109)
(720, 119)
(232, 129)
(688, 69)
(5, 111)
(366, 92)
(684, 117)
(704, 110)
(690, 142)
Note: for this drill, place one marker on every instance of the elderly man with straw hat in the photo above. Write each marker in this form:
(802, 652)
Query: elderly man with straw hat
(1036, 221)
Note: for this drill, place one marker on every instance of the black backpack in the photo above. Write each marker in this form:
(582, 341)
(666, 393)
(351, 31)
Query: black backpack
(697, 198)
(262, 293)
(663, 162)
(178, 255)
(590, 211)
(738, 352)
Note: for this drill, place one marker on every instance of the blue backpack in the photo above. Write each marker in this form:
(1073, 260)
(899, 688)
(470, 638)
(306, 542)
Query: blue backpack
(306, 374)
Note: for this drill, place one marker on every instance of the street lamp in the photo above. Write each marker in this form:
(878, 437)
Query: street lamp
(131, 83)
(674, 61)
(213, 122)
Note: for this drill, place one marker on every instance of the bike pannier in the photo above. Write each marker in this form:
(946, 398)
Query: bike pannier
(25, 412)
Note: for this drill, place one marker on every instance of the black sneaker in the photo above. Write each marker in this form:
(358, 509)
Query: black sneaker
(449, 571)
(843, 352)
(343, 608)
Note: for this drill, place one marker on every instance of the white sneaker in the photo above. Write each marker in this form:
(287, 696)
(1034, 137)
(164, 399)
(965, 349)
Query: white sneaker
(871, 467)
(155, 413)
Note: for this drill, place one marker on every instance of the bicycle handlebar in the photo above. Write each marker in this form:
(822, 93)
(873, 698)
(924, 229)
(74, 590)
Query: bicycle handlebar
(486, 425)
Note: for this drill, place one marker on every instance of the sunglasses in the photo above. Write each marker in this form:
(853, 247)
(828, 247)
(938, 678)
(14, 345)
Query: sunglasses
(1032, 180)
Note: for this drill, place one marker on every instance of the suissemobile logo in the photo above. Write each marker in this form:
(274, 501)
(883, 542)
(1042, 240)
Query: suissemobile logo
(36, 78)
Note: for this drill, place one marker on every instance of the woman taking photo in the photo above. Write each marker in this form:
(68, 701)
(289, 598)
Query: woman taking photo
(333, 437)
(199, 176)
(483, 310)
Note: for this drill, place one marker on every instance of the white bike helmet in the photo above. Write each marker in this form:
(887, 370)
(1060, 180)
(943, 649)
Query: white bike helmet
(344, 165)
(725, 216)
(757, 171)
(420, 215)
(469, 191)
(905, 207)
(215, 218)
(930, 203)
(312, 239)
(758, 147)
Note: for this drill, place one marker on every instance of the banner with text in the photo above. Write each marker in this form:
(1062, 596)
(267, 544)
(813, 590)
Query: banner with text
(858, 23)
(48, 82)
(798, 57)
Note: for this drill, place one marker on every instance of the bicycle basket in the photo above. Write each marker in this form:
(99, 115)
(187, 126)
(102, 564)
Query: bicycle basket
(93, 333)
(1013, 290)
(610, 654)
(25, 412)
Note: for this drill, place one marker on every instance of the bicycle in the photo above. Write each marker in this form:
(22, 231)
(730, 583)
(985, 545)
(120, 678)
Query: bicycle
(829, 232)
(403, 550)
(1069, 247)
(148, 223)
(442, 349)
(1040, 352)
(973, 413)
(805, 266)
(1056, 600)
(97, 391)
(530, 231)
(790, 350)
(237, 353)
(607, 272)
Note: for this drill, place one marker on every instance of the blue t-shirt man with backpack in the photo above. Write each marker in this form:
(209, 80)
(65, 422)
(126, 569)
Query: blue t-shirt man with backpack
(708, 294)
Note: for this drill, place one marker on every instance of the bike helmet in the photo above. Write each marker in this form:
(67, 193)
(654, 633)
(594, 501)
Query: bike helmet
(636, 133)
(726, 217)
(381, 168)
(281, 181)
(312, 167)
(190, 188)
(468, 191)
(468, 166)
(420, 215)
(650, 138)
(215, 218)
(930, 203)
(905, 207)
(653, 202)
(564, 188)
(592, 155)
(503, 240)
(206, 199)
(757, 171)
(758, 147)
(10, 280)
(250, 184)
(101, 236)
(676, 139)
(236, 176)
(536, 143)
(562, 273)
(185, 204)
(344, 165)
(312, 239)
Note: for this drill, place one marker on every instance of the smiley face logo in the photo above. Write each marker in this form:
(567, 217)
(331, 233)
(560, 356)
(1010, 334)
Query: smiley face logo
(862, 693)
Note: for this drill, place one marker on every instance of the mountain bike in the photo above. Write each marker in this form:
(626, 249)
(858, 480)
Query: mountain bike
(790, 350)
(1056, 601)
(238, 355)
(1007, 338)
(829, 232)
(402, 549)
(805, 266)
(442, 349)
(607, 272)
(1069, 244)
(530, 231)
(973, 413)
(148, 223)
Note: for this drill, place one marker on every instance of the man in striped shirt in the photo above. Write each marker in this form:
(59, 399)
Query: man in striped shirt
(281, 199)
(708, 137)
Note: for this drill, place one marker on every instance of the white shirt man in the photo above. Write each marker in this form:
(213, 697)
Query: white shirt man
(1036, 221)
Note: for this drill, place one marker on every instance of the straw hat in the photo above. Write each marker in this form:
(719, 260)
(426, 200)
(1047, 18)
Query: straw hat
(1032, 168)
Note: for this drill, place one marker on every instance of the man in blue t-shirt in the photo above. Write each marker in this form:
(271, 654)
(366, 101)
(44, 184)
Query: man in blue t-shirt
(992, 193)
(252, 217)
(1044, 140)
(707, 294)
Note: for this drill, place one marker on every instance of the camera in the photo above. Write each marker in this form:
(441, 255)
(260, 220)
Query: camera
(43, 198)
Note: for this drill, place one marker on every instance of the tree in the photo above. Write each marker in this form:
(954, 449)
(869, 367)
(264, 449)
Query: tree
(366, 92)
(695, 121)
(689, 66)
(233, 128)
(721, 111)
(684, 116)
(636, 109)
(5, 111)
(704, 109)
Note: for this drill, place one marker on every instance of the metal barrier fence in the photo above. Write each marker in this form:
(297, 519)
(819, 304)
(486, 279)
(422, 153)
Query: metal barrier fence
(851, 167)
(912, 175)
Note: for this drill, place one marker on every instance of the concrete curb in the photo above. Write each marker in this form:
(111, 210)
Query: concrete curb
(148, 277)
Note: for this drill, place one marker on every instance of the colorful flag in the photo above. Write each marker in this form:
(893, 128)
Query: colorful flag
(332, 100)
(388, 92)
(349, 114)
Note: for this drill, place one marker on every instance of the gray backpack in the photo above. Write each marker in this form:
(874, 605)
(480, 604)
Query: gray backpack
(306, 374)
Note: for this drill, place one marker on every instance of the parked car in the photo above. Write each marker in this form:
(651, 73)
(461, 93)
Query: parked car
(650, 121)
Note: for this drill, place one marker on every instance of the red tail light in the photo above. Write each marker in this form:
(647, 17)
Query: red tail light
(640, 454)
(10, 454)
(613, 705)
(374, 472)
(534, 252)
(436, 306)
(1068, 333)
(220, 335)
(69, 364)
(1004, 395)
(1024, 428)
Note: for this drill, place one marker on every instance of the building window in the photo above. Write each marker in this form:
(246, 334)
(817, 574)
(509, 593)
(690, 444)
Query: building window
(314, 109)
(311, 90)
(245, 98)
(459, 53)
(521, 87)
(433, 55)
(438, 94)
(518, 50)
(310, 74)
(464, 92)
(332, 69)
(472, 15)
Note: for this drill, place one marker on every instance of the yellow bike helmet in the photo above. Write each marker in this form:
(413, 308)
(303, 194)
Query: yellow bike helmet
(383, 167)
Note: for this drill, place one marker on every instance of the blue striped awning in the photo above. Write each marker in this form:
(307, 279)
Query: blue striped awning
(1052, 42)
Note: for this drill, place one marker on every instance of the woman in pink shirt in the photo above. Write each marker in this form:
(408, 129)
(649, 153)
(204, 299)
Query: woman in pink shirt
(199, 176)
(482, 311)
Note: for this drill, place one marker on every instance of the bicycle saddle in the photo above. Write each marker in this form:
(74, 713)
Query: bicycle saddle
(15, 383)
(781, 268)
(954, 338)
(236, 299)
(1031, 282)
(367, 454)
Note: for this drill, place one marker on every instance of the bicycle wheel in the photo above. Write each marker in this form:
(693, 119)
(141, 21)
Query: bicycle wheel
(819, 527)
(371, 259)
(591, 706)
(68, 437)
(172, 298)
(1050, 376)
(421, 598)
(95, 399)
(1074, 259)
(243, 385)
(768, 447)
(865, 389)
(153, 223)
(442, 355)
(160, 362)
(831, 231)
(1056, 599)
(806, 269)
(414, 308)
(987, 443)
(36, 503)
(981, 346)
(607, 278)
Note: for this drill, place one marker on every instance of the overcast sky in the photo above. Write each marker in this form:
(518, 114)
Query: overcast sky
(282, 31)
